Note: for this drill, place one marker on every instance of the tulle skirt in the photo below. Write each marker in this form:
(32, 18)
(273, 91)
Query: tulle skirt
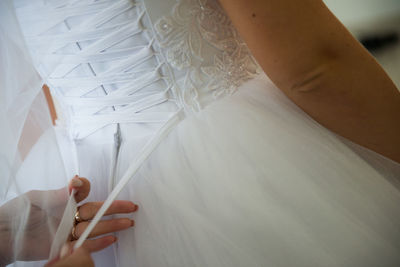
(250, 180)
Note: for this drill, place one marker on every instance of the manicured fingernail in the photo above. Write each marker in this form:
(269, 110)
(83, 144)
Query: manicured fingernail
(64, 251)
(132, 222)
(76, 182)
(115, 239)
(136, 208)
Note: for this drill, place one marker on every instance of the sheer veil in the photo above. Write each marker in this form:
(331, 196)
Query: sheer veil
(29, 215)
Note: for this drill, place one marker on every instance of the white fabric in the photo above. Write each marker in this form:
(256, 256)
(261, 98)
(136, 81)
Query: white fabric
(29, 154)
(247, 180)
(253, 181)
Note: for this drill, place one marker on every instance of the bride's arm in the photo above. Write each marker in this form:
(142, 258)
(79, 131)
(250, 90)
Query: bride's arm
(319, 65)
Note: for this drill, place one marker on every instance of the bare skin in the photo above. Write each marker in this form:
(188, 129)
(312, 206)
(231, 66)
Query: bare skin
(322, 68)
(78, 258)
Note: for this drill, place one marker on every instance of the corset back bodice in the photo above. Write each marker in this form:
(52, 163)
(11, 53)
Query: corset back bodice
(110, 62)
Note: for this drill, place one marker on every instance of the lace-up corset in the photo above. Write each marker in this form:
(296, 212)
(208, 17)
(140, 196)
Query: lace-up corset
(123, 61)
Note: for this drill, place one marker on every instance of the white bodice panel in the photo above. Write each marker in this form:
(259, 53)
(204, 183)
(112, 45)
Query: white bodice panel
(111, 62)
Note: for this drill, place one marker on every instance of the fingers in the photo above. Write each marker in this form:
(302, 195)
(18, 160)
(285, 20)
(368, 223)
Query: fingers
(104, 227)
(89, 210)
(94, 245)
(81, 186)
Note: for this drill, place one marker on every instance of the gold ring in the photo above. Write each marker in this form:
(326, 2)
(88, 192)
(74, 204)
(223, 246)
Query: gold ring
(73, 234)
(77, 217)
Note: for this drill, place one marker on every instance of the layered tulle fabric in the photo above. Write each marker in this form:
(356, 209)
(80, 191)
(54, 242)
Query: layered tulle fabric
(253, 181)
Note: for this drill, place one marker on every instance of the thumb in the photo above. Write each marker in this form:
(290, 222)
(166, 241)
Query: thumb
(81, 186)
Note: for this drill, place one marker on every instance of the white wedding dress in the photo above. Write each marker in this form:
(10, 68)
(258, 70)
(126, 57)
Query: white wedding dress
(161, 103)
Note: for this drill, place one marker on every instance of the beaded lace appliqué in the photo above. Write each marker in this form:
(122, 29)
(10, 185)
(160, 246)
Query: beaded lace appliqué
(183, 35)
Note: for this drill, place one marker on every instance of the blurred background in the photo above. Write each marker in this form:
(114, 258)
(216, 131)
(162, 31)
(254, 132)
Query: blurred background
(376, 23)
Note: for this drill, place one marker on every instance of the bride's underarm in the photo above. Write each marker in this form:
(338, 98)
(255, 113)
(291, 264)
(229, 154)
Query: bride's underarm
(318, 64)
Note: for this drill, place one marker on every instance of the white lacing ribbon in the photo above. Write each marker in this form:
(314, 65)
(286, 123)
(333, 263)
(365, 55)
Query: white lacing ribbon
(55, 14)
(102, 33)
(129, 174)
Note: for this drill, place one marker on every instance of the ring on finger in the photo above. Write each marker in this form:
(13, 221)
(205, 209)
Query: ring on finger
(73, 234)
(77, 217)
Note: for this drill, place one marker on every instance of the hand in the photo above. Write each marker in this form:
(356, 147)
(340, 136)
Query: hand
(44, 213)
(79, 258)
